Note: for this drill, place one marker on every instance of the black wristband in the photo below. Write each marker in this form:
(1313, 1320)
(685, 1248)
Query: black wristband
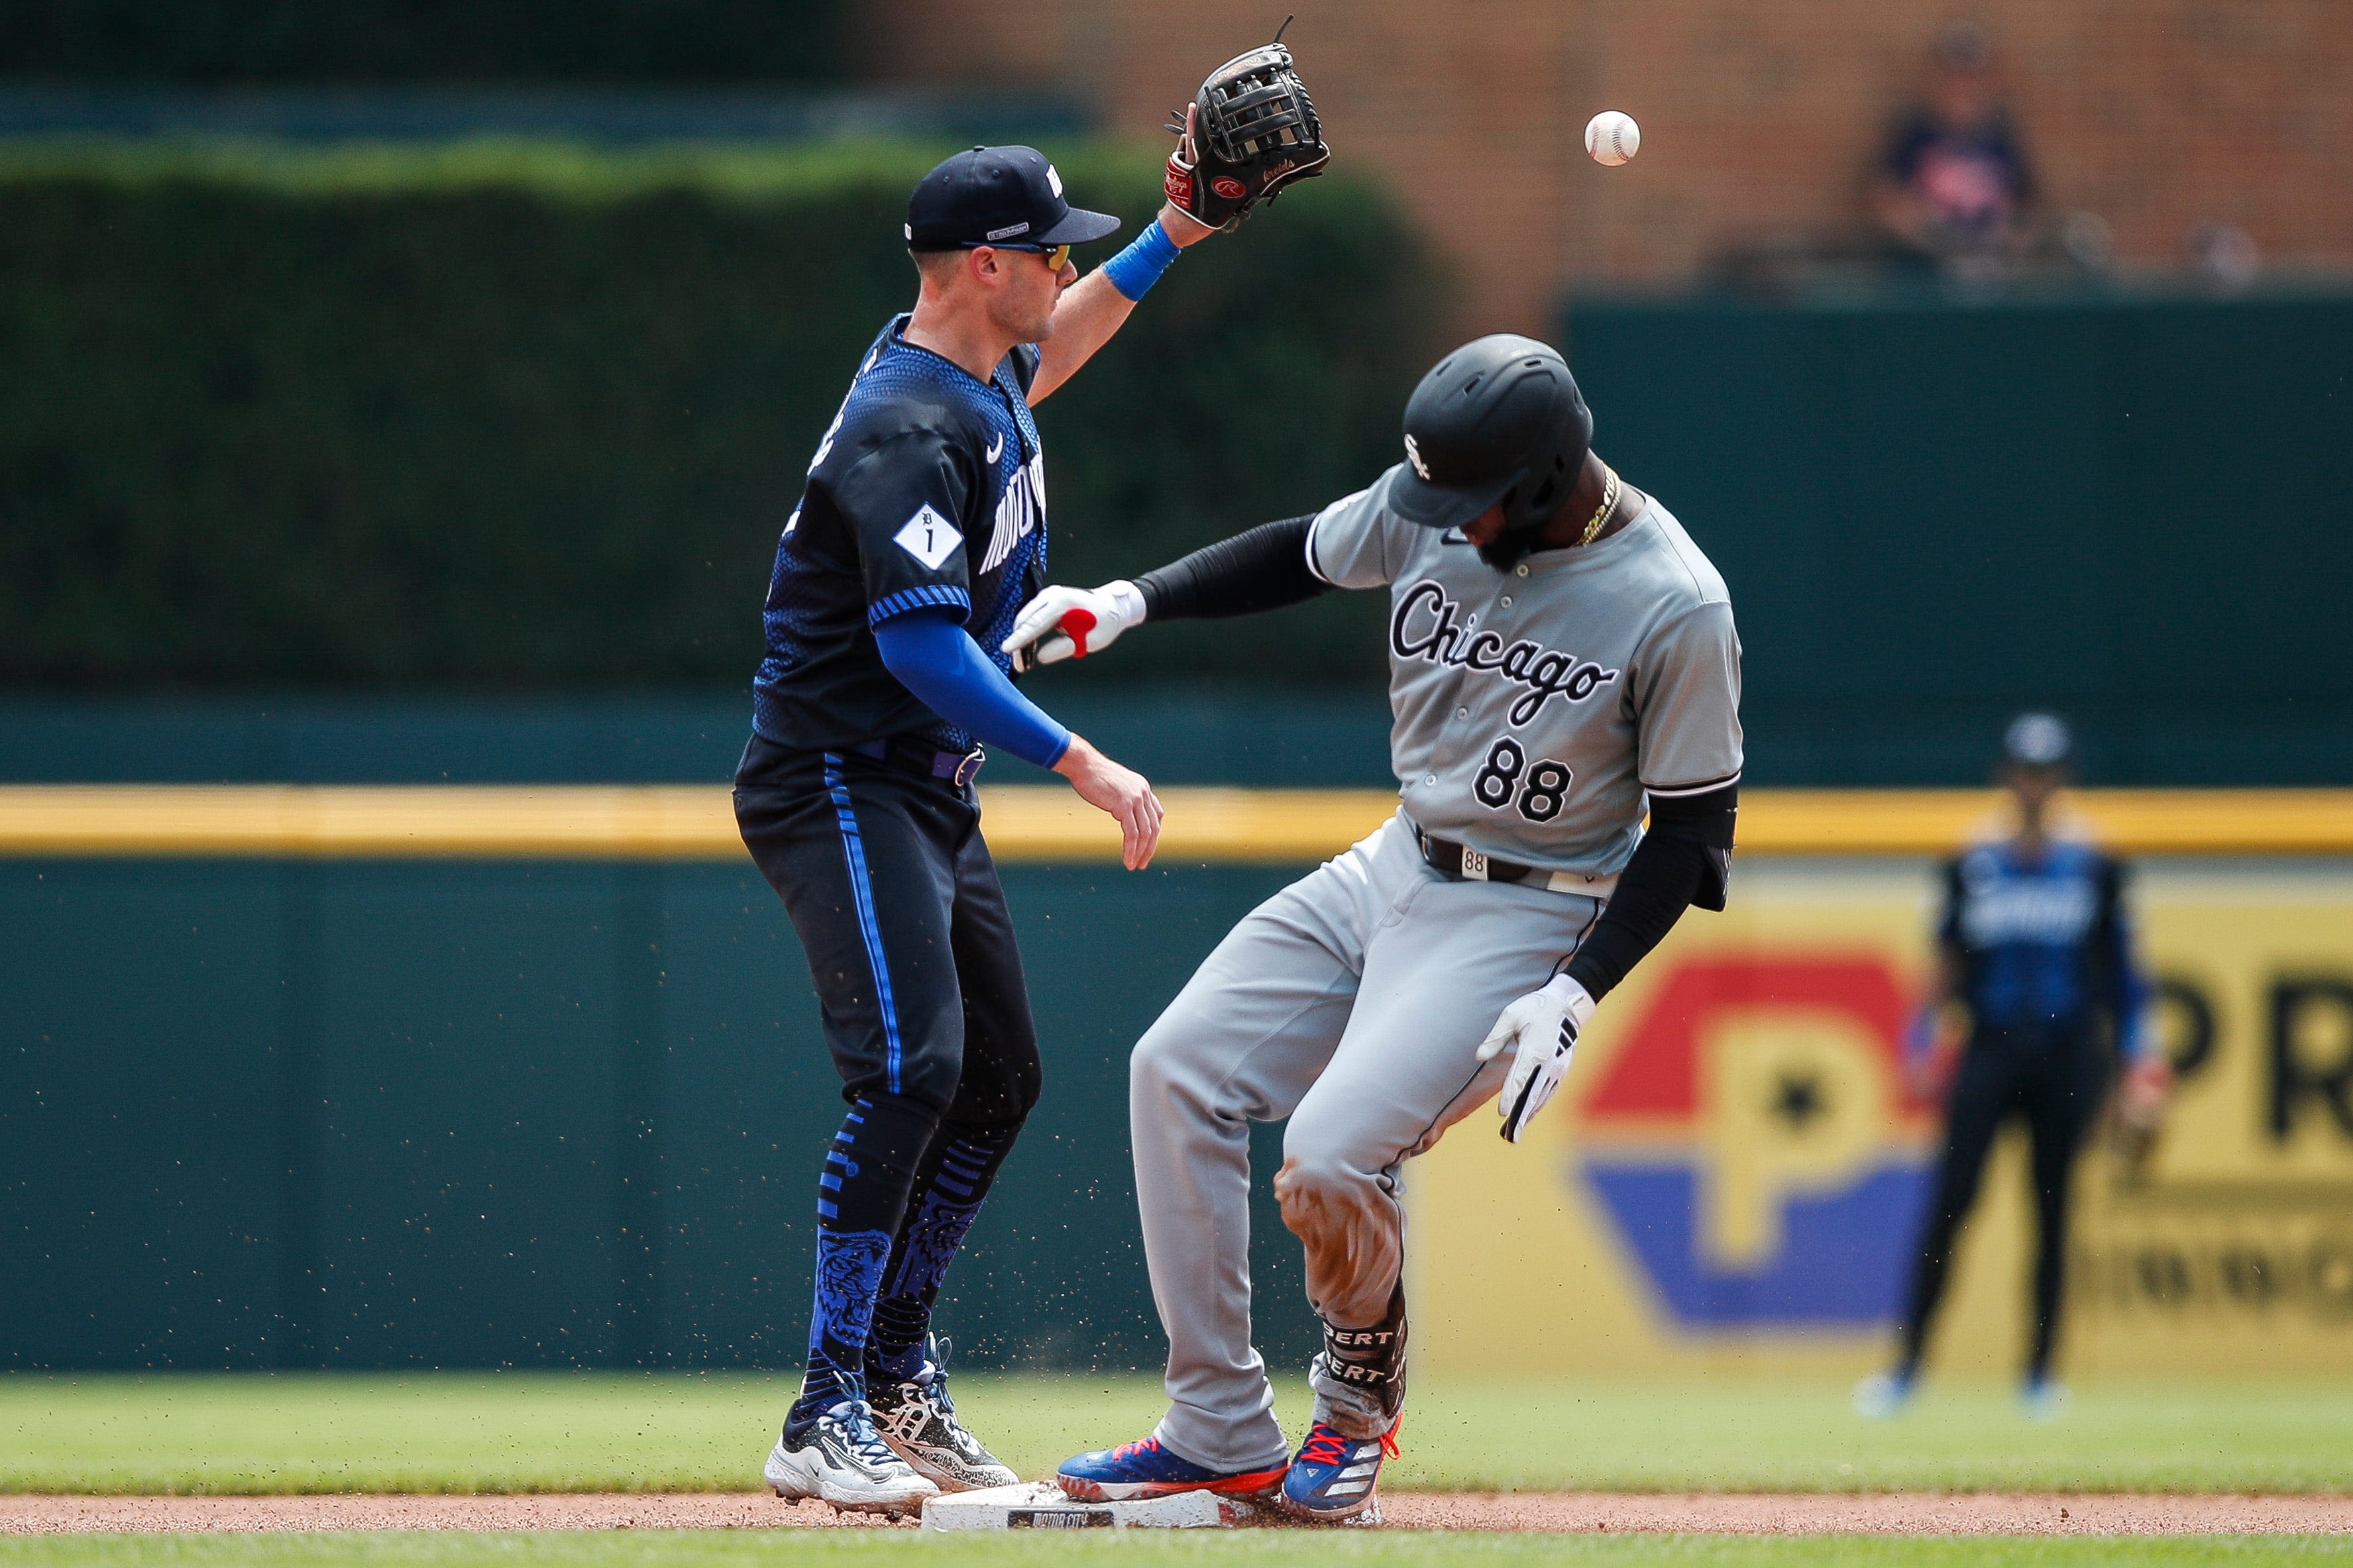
(1684, 859)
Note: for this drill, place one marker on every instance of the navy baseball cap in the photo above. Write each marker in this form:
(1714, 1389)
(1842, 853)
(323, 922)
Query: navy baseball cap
(997, 195)
(2038, 741)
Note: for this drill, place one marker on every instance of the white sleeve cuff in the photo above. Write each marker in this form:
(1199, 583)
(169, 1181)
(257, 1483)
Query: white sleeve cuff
(1705, 786)
(1314, 570)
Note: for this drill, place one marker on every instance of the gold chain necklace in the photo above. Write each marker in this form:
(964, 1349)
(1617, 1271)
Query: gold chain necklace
(1609, 505)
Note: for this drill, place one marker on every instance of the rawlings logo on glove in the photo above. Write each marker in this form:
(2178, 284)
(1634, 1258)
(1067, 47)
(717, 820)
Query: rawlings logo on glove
(1249, 132)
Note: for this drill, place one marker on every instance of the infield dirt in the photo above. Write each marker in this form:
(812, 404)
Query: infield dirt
(1890, 1513)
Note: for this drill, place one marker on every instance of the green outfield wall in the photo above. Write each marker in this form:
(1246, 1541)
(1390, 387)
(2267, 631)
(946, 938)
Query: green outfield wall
(1933, 510)
(514, 1091)
(291, 1113)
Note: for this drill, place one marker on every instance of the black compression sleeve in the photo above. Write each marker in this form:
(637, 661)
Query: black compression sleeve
(1684, 859)
(1263, 569)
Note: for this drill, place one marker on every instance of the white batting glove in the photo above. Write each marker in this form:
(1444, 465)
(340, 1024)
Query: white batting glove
(1070, 622)
(1540, 1029)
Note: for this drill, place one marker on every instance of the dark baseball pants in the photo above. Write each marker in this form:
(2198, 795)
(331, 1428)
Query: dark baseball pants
(890, 889)
(2055, 1081)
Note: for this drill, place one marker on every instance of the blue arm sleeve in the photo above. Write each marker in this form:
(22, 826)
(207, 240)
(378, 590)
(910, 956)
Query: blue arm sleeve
(938, 660)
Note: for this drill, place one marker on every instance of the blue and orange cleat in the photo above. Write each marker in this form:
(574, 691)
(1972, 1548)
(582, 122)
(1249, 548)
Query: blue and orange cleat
(1334, 1478)
(1145, 1468)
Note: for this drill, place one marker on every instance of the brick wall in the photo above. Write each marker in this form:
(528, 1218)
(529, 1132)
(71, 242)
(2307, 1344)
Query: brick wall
(2158, 114)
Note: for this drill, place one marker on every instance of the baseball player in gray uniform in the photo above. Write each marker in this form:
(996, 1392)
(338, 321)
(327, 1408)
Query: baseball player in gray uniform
(1560, 654)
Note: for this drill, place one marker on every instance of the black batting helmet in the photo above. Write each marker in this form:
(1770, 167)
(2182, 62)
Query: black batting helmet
(1499, 419)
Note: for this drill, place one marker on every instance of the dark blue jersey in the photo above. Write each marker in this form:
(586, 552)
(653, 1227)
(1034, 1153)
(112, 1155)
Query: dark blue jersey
(927, 493)
(2045, 946)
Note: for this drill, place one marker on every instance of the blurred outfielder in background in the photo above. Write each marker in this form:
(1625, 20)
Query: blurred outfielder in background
(2035, 947)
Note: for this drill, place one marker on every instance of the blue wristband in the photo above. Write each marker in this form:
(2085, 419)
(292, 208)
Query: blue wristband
(1136, 269)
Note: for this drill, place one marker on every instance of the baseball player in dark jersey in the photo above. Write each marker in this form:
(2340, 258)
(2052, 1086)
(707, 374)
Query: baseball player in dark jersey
(2035, 943)
(1562, 659)
(919, 532)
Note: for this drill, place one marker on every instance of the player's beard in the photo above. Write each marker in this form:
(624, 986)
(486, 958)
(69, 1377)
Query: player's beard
(1512, 546)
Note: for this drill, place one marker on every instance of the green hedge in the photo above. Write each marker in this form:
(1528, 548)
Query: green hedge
(395, 40)
(516, 417)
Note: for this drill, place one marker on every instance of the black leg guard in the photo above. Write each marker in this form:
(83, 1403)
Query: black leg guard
(1371, 1359)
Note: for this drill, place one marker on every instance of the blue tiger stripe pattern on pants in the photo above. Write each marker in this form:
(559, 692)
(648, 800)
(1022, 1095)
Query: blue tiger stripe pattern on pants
(862, 1189)
(948, 1198)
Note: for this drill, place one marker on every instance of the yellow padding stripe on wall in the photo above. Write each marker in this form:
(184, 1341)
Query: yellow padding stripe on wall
(1044, 823)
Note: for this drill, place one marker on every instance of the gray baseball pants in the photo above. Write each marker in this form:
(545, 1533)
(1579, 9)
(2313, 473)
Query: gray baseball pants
(1353, 1002)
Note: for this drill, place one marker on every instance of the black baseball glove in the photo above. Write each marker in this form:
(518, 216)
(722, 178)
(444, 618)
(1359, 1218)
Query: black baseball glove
(1251, 130)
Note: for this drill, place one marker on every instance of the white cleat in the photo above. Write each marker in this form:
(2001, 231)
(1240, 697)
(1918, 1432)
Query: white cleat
(2042, 1400)
(842, 1460)
(919, 1421)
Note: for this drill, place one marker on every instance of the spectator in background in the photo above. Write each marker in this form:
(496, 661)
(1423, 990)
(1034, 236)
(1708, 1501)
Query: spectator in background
(1954, 188)
(2034, 943)
(2222, 255)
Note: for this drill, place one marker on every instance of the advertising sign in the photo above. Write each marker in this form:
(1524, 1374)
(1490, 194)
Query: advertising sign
(1736, 1171)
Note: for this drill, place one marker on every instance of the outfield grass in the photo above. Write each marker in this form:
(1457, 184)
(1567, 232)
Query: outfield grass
(555, 1432)
(1210, 1550)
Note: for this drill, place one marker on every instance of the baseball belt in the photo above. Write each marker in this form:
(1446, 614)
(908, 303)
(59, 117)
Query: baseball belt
(1461, 863)
(958, 768)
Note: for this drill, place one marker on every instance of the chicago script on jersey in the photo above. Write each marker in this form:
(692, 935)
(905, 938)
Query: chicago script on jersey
(1427, 625)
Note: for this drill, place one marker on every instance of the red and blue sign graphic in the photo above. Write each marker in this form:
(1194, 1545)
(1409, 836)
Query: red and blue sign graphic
(1755, 1146)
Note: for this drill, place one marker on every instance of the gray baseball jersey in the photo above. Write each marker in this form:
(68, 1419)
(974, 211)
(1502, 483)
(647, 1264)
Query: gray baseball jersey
(1534, 708)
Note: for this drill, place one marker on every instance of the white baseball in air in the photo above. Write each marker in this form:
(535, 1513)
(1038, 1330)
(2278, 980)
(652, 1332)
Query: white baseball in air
(1612, 138)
